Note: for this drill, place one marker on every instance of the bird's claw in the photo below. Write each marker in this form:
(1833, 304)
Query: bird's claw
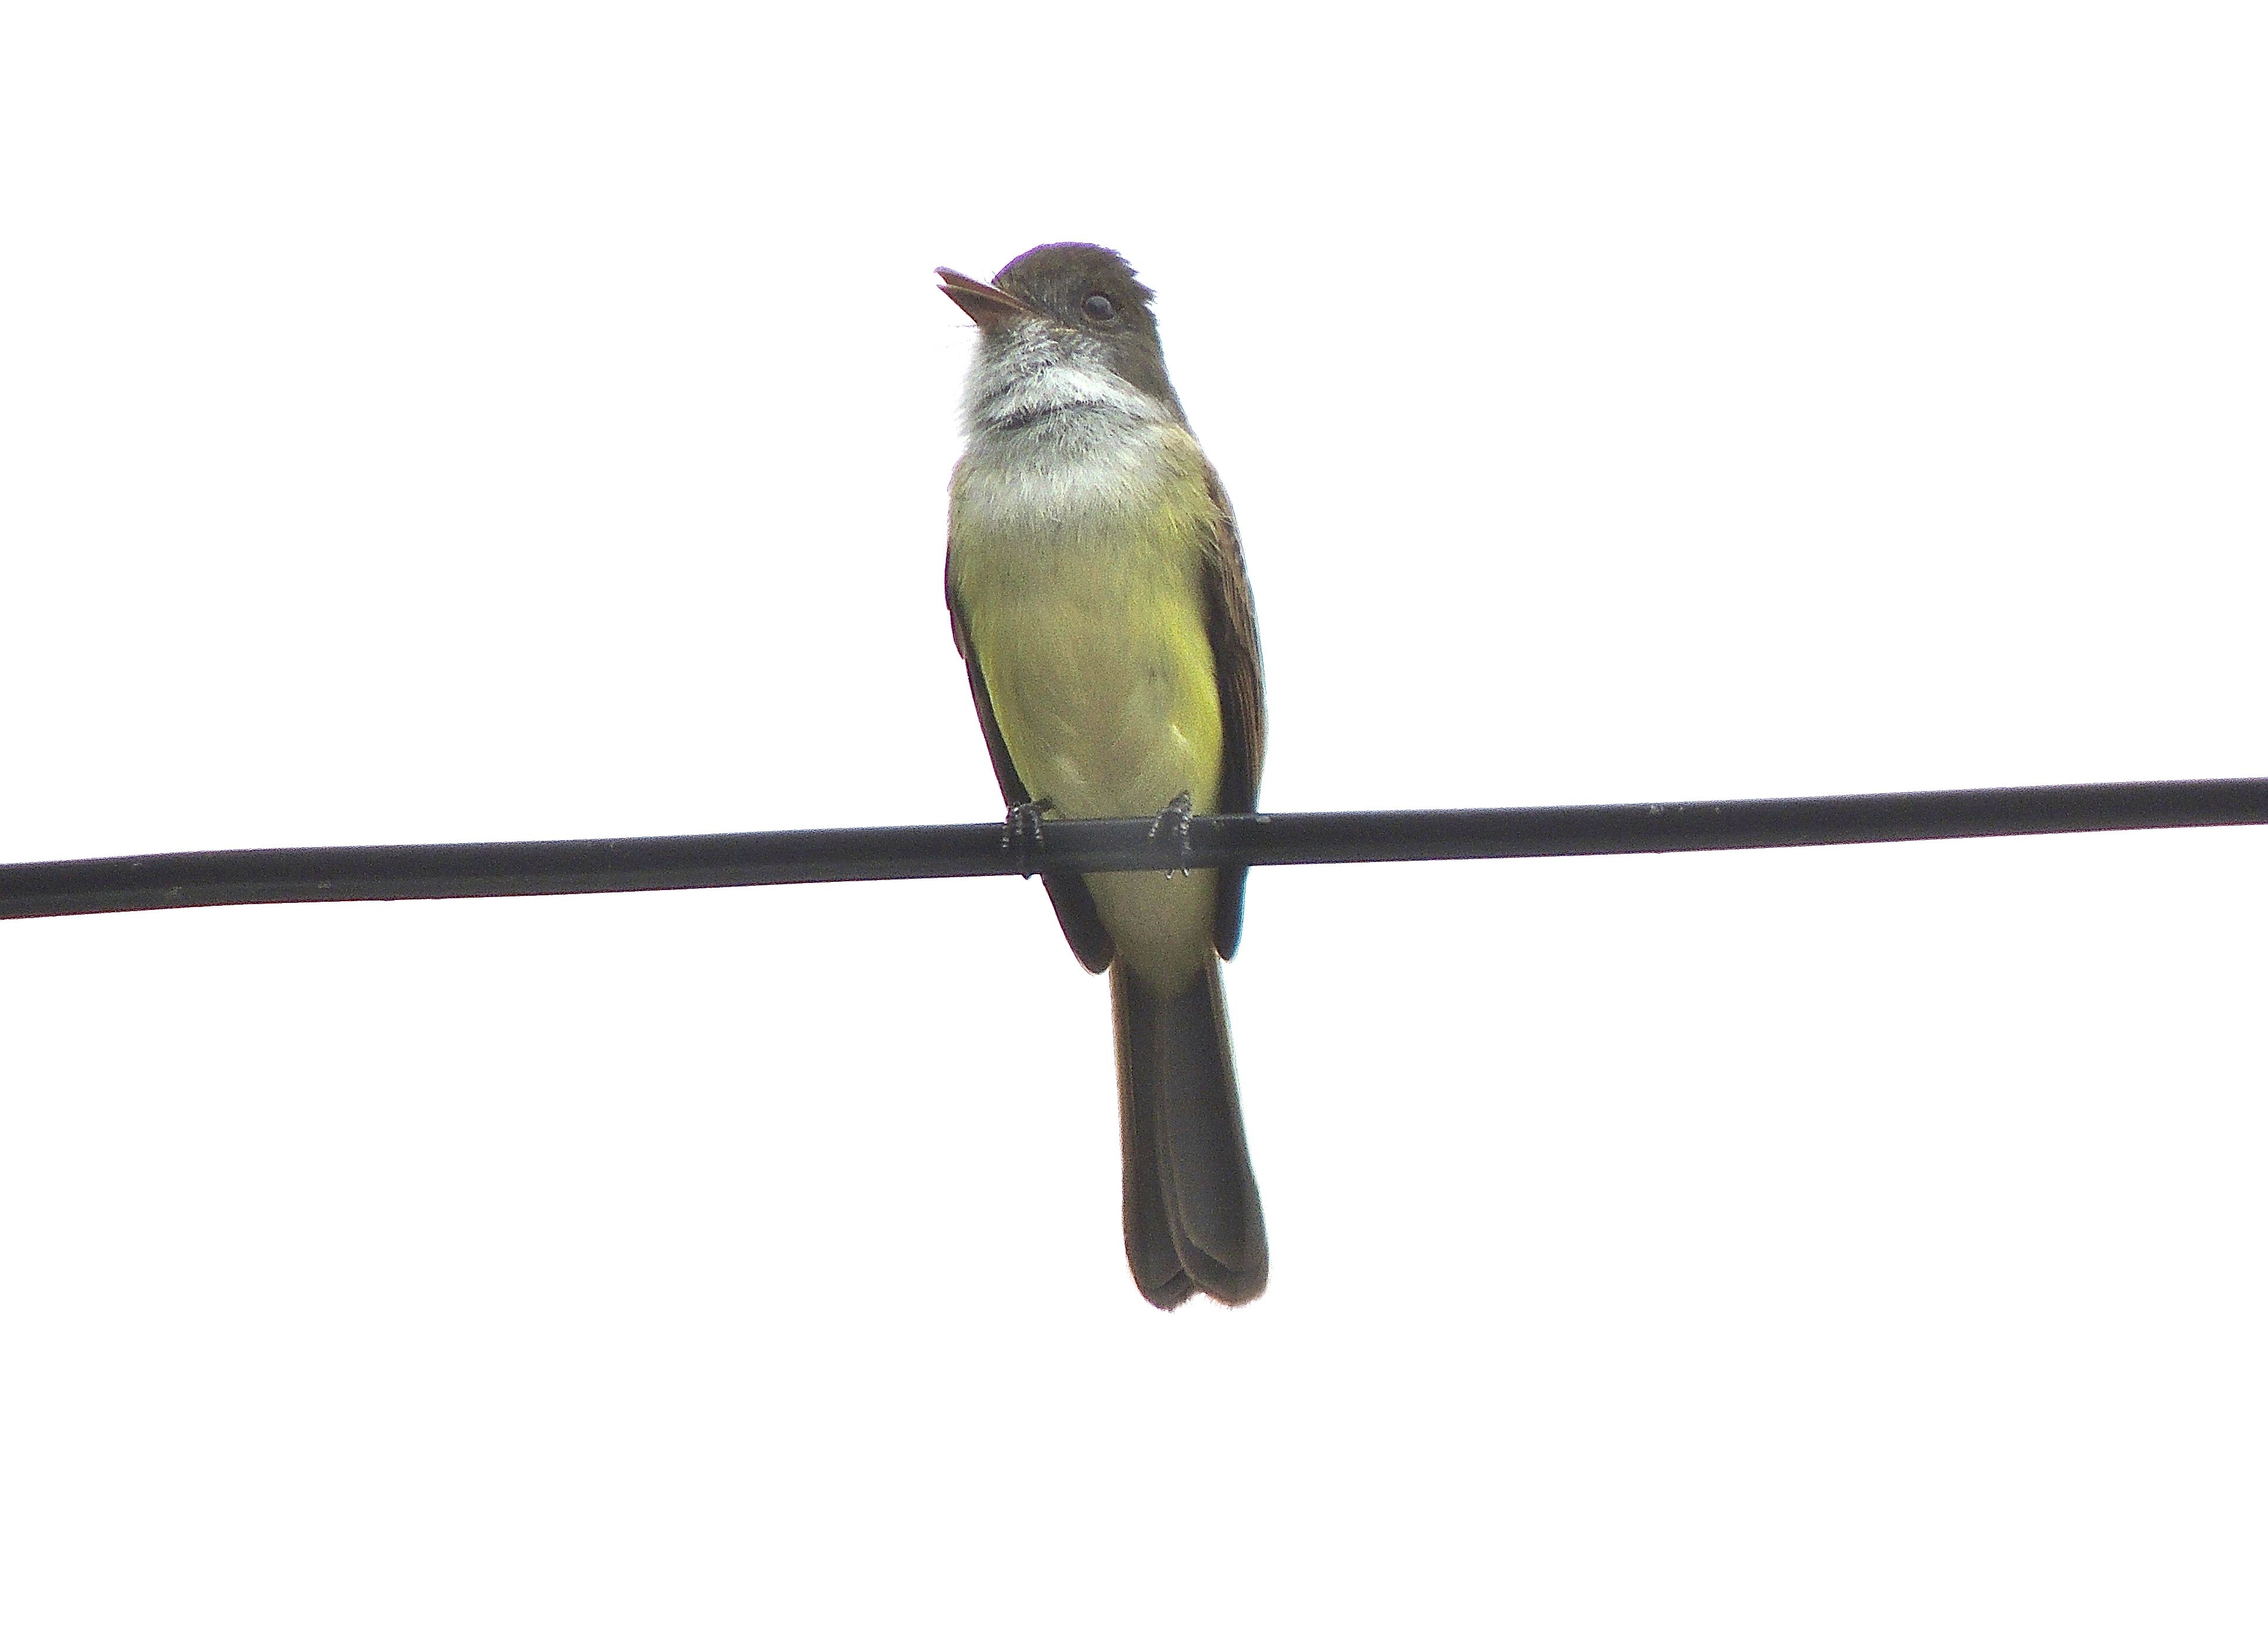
(1174, 816)
(1021, 837)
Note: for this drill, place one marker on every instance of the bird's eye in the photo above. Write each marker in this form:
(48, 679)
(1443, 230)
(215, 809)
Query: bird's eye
(1099, 306)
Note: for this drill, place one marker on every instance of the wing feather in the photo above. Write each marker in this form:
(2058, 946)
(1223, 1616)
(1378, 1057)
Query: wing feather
(1236, 669)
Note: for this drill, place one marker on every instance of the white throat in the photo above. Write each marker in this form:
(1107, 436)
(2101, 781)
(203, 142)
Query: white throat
(1032, 371)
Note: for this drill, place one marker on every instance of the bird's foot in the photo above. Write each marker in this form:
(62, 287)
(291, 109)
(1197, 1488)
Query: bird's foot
(1173, 819)
(1021, 837)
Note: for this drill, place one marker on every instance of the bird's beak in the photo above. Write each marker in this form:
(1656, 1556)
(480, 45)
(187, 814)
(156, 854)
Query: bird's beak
(988, 306)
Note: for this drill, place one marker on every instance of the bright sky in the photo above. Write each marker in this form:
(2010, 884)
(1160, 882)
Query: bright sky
(476, 422)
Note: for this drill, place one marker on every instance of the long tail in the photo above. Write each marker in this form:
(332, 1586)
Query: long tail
(1192, 1206)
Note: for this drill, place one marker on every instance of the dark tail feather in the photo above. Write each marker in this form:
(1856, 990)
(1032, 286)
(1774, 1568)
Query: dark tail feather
(1192, 1206)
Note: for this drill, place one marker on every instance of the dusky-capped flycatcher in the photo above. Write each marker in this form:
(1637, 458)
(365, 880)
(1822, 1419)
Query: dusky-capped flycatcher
(1099, 599)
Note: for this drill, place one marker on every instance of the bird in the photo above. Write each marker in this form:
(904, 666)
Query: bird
(1099, 604)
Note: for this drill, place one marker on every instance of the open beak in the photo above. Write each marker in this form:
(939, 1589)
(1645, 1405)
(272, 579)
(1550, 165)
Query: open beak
(988, 306)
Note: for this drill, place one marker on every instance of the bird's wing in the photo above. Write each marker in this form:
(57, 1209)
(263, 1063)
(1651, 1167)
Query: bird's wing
(1236, 672)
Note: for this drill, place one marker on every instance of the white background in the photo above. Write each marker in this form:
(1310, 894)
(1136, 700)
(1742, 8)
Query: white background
(470, 422)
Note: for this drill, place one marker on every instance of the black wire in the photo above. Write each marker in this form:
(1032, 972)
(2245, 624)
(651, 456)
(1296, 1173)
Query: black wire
(520, 869)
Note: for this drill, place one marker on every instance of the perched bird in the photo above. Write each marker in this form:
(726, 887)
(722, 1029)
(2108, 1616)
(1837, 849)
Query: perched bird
(1099, 600)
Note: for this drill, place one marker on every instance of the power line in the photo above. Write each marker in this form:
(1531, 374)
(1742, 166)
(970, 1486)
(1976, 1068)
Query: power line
(524, 869)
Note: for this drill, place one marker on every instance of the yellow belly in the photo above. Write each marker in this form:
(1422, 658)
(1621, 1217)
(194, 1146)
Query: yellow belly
(1109, 711)
(1090, 630)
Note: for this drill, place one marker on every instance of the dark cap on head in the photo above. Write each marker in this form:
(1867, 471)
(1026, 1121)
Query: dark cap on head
(1060, 278)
